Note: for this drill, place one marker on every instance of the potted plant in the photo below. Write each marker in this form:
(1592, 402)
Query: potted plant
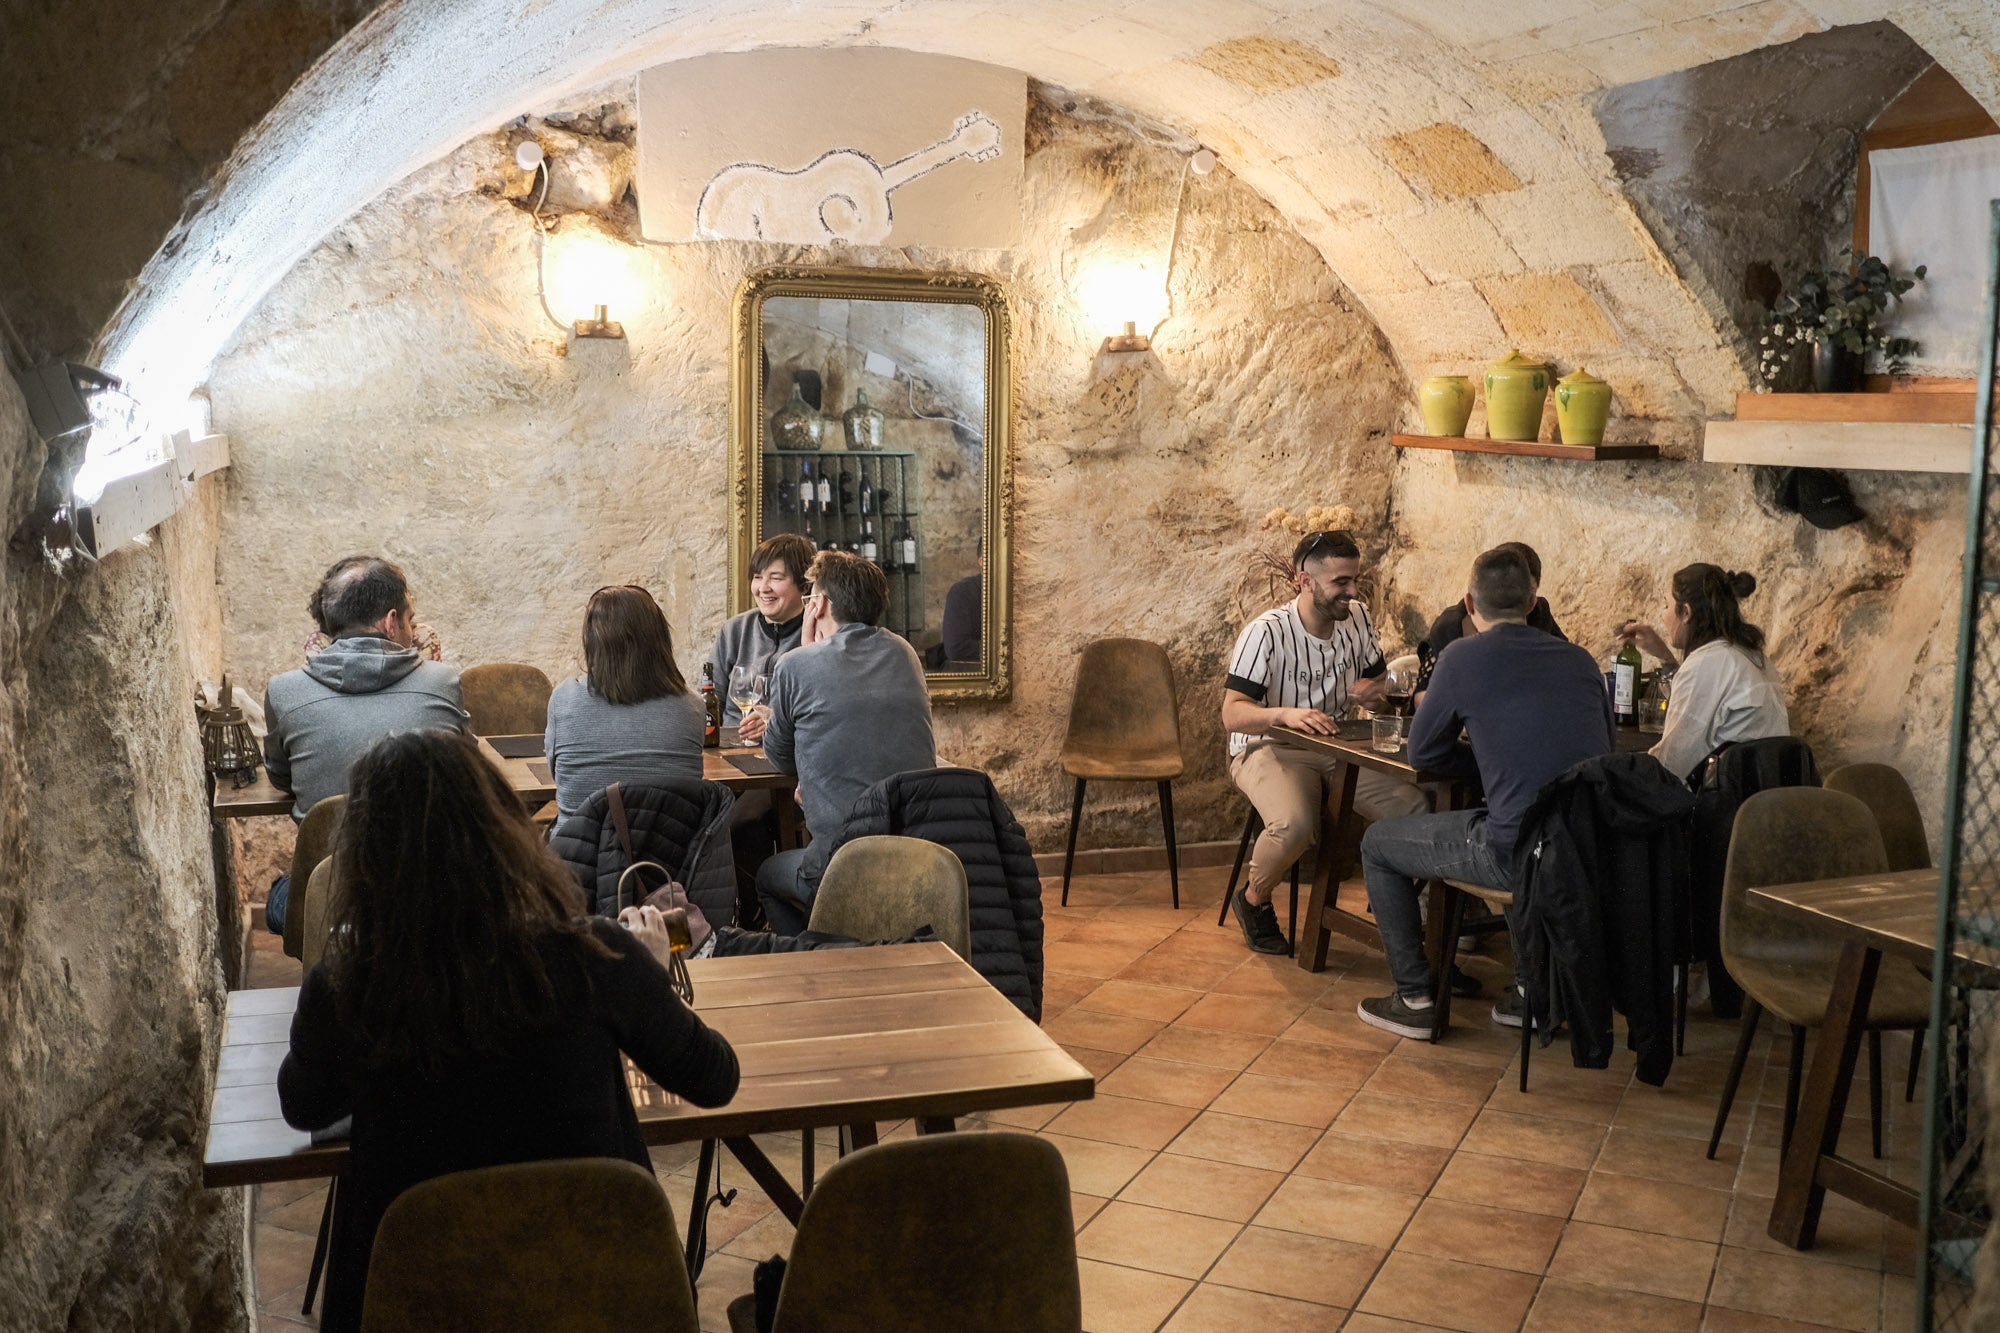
(1842, 313)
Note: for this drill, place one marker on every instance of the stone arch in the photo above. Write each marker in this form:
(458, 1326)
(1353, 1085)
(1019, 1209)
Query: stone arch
(1424, 160)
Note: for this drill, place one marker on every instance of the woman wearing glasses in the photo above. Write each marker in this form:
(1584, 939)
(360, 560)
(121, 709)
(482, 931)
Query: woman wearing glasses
(630, 717)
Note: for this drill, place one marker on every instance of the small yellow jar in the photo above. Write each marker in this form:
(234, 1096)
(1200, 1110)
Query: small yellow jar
(1583, 407)
(1446, 404)
(1516, 389)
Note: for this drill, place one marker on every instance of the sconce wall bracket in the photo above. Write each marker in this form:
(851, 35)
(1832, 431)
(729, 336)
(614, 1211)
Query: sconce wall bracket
(601, 326)
(1129, 341)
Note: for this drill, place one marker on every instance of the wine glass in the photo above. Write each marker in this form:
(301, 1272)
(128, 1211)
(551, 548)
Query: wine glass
(1396, 691)
(746, 688)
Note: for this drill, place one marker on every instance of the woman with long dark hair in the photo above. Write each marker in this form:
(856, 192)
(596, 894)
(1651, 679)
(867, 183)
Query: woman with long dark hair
(466, 1013)
(630, 717)
(1724, 688)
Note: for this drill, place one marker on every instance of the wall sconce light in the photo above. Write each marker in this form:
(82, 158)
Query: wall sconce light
(588, 271)
(1122, 295)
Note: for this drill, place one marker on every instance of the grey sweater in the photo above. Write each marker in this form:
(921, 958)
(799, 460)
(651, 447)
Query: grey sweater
(319, 719)
(845, 713)
(745, 640)
(592, 742)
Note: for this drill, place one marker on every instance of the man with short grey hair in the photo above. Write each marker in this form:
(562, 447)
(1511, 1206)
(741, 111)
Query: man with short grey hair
(1534, 707)
(848, 708)
(368, 682)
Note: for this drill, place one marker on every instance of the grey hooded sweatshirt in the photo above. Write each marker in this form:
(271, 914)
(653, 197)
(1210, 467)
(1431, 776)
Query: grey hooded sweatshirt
(319, 719)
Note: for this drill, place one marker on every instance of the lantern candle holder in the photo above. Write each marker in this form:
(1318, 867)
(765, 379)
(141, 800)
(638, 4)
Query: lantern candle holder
(228, 746)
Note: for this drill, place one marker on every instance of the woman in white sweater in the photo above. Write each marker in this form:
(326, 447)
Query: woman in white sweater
(1724, 688)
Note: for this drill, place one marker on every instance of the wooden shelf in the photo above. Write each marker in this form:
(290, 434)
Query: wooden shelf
(1581, 453)
(1921, 408)
(1853, 446)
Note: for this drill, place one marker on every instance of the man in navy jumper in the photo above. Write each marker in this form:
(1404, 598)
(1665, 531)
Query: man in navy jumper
(1532, 706)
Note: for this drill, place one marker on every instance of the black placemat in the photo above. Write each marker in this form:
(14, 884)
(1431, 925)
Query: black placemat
(753, 765)
(517, 747)
(542, 774)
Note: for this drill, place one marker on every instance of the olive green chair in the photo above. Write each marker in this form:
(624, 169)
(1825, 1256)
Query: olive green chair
(314, 905)
(506, 699)
(1791, 835)
(311, 846)
(966, 1232)
(583, 1245)
(881, 887)
(1888, 797)
(1887, 794)
(1124, 726)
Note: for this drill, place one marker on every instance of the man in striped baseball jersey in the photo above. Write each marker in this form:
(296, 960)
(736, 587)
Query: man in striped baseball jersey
(1300, 665)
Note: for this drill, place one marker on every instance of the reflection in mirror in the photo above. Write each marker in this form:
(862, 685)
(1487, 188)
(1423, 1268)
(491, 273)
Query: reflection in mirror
(868, 419)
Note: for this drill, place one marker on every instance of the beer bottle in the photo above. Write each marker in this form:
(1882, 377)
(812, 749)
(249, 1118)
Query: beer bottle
(711, 703)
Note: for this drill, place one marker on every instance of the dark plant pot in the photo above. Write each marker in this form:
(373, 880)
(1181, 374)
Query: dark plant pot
(1834, 368)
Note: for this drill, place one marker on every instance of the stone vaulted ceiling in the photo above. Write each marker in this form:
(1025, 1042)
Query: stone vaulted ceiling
(1439, 153)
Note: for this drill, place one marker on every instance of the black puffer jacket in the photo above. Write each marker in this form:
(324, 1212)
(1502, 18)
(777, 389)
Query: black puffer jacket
(1600, 877)
(958, 808)
(682, 825)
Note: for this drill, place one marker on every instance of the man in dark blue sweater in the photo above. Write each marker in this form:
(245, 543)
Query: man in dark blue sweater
(1532, 706)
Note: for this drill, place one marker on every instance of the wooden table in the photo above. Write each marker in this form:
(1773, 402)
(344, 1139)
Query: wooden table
(841, 1037)
(1873, 915)
(1340, 826)
(530, 779)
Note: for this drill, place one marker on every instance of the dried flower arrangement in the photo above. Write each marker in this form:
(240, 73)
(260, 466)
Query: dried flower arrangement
(1267, 577)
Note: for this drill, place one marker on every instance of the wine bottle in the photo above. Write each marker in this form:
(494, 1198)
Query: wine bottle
(846, 491)
(888, 548)
(1625, 686)
(867, 498)
(825, 492)
(807, 493)
(868, 551)
(906, 547)
(711, 703)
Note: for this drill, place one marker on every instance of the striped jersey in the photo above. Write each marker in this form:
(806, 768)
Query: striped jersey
(1280, 664)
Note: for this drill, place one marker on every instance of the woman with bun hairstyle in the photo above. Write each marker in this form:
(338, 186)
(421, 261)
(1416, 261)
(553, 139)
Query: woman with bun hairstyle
(1724, 688)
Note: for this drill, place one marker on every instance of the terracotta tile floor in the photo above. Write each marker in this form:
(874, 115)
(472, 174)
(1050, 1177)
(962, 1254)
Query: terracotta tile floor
(1257, 1158)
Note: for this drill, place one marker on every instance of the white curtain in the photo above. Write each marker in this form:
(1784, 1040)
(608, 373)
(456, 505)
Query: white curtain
(1931, 205)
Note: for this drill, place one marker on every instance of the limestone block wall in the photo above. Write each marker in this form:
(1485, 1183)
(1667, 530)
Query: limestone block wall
(110, 996)
(400, 391)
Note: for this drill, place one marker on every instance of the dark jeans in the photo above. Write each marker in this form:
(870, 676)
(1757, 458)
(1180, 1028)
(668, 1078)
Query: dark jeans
(1398, 857)
(274, 904)
(778, 890)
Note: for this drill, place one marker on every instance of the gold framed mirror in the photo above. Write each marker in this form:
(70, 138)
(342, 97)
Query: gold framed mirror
(872, 410)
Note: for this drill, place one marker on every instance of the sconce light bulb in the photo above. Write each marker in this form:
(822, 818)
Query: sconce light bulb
(1202, 162)
(527, 155)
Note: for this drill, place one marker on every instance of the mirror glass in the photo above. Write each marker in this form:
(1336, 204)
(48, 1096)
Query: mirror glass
(873, 433)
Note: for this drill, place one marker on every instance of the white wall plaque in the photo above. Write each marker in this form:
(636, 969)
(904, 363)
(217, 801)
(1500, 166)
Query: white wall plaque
(853, 146)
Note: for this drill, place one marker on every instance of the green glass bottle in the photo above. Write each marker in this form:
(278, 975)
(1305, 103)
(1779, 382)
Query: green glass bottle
(1625, 686)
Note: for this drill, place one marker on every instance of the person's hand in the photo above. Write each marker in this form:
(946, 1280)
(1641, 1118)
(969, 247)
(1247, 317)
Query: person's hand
(1369, 690)
(650, 929)
(1648, 639)
(1309, 720)
(751, 728)
(814, 628)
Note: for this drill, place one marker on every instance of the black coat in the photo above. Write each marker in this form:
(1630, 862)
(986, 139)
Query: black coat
(682, 825)
(1601, 896)
(958, 808)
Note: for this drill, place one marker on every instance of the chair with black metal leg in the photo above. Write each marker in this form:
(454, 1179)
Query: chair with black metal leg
(1124, 726)
(1792, 835)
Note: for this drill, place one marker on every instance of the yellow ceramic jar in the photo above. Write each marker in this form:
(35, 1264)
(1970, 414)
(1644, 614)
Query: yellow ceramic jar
(1583, 406)
(1446, 404)
(1516, 389)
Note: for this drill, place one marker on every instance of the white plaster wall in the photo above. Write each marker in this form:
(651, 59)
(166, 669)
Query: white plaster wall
(400, 392)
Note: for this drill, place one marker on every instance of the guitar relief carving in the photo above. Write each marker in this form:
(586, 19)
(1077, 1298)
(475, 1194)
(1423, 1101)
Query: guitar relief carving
(843, 195)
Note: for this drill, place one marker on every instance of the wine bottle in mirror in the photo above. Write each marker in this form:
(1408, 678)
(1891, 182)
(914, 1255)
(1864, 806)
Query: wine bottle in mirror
(825, 492)
(906, 547)
(867, 497)
(808, 494)
(868, 549)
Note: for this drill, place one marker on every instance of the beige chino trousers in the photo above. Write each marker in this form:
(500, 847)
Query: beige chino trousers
(1289, 787)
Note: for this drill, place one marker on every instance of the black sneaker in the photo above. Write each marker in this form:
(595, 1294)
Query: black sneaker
(1392, 1013)
(1260, 925)
(1512, 1010)
(1463, 984)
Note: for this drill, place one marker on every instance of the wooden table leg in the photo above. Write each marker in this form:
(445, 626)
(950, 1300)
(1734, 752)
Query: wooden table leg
(697, 1227)
(791, 820)
(857, 1136)
(1336, 819)
(936, 1124)
(1447, 909)
(1822, 1103)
